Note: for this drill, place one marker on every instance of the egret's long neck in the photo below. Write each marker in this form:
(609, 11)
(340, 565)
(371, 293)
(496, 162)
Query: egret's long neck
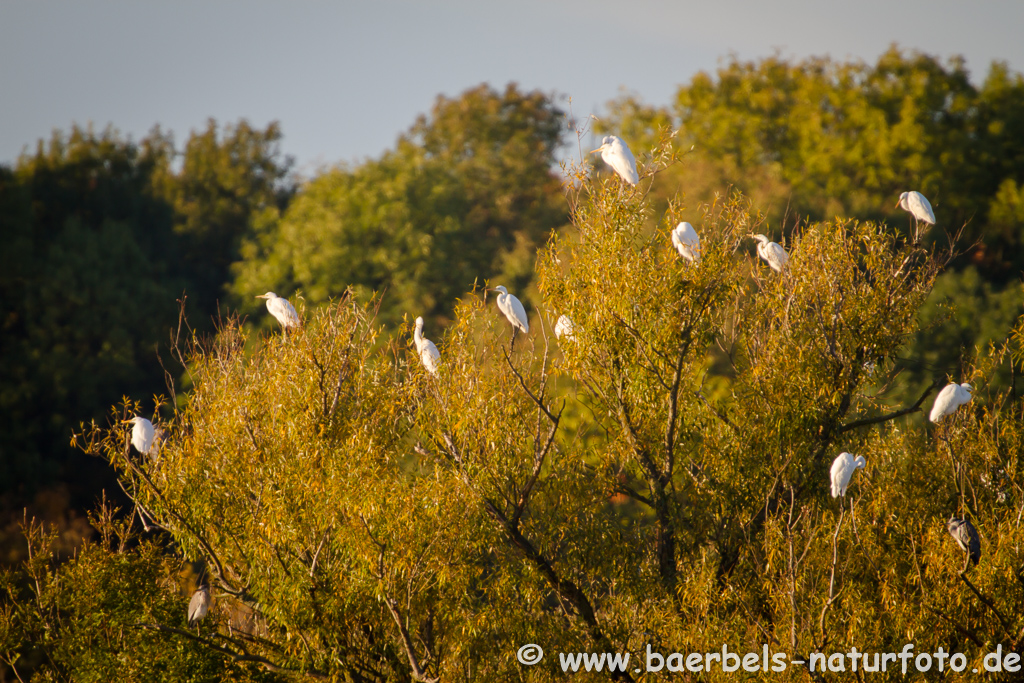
(417, 335)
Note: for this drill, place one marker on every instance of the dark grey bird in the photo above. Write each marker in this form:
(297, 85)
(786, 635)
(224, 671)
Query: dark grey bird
(198, 606)
(966, 537)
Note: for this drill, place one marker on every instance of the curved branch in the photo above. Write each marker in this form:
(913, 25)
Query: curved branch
(522, 383)
(565, 588)
(890, 416)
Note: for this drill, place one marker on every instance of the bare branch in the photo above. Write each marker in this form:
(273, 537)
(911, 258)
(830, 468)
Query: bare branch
(522, 383)
(832, 595)
(316, 555)
(567, 591)
(538, 463)
(418, 672)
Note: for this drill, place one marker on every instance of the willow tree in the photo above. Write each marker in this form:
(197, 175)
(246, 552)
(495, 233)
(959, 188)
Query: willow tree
(658, 479)
(815, 138)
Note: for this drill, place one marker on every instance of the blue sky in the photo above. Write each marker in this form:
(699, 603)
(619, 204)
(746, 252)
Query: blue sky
(345, 79)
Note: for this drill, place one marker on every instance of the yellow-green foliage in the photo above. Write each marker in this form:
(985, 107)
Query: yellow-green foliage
(660, 478)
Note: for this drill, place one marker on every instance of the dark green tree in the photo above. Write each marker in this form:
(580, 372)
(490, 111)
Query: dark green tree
(87, 293)
(468, 194)
(226, 180)
(102, 236)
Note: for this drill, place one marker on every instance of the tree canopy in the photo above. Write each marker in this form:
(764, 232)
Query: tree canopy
(658, 479)
(817, 138)
(103, 236)
(821, 138)
(467, 195)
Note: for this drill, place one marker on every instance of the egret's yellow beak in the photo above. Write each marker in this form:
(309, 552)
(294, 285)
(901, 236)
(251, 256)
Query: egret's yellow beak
(596, 150)
(897, 204)
(261, 296)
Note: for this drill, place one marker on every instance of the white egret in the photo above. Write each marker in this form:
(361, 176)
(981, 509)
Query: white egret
(843, 468)
(949, 399)
(281, 309)
(687, 242)
(512, 308)
(563, 327)
(616, 154)
(773, 254)
(429, 354)
(966, 537)
(918, 206)
(143, 434)
(198, 606)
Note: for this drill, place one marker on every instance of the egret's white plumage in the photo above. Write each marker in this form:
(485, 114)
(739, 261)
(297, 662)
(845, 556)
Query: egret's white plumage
(616, 154)
(143, 435)
(687, 242)
(429, 354)
(843, 468)
(966, 537)
(563, 327)
(199, 605)
(773, 254)
(281, 309)
(918, 206)
(512, 308)
(949, 399)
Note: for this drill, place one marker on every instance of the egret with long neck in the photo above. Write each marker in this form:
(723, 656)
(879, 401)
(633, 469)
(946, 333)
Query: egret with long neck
(429, 355)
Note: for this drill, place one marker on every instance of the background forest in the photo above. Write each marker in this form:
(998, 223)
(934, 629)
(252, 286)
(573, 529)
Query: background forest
(125, 264)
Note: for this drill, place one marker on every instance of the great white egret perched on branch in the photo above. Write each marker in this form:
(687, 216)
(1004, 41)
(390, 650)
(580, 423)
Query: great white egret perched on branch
(687, 242)
(966, 537)
(198, 606)
(918, 206)
(281, 309)
(949, 399)
(429, 354)
(843, 468)
(143, 434)
(616, 154)
(512, 308)
(563, 327)
(772, 254)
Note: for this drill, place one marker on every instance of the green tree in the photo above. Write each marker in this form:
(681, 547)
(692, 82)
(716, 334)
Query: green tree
(87, 293)
(816, 138)
(657, 479)
(102, 235)
(820, 138)
(227, 180)
(468, 194)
